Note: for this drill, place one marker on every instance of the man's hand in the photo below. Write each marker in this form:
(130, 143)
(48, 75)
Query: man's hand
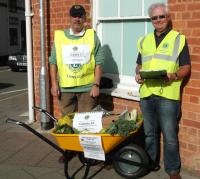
(138, 79)
(183, 72)
(171, 77)
(97, 78)
(94, 91)
(55, 91)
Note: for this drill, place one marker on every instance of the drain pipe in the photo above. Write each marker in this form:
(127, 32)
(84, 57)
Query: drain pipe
(45, 122)
(28, 15)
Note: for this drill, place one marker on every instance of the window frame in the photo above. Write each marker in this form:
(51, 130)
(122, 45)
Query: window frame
(124, 86)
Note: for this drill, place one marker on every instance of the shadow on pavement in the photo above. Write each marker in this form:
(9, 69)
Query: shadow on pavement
(6, 85)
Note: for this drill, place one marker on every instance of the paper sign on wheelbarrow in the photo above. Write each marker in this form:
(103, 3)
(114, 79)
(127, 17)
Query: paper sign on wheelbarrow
(92, 147)
(88, 122)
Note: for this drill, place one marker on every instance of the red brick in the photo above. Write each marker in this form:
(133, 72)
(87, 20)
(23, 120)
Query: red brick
(196, 32)
(173, 1)
(190, 1)
(195, 65)
(192, 91)
(195, 58)
(186, 98)
(193, 24)
(193, 41)
(186, 15)
(193, 7)
(195, 75)
(178, 24)
(196, 50)
(192, 115)
(192, 131)
(187, 32)
(194, 99)
(178, 7)
(178, 16)
(196, 15)
(183, 145)
(190, 123)
(192, 147)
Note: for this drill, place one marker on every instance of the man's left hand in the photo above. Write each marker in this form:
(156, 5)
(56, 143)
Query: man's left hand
(94, 91)
(171, 77)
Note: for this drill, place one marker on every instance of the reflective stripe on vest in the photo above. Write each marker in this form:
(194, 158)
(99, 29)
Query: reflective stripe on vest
(72, 75)
(174, 57)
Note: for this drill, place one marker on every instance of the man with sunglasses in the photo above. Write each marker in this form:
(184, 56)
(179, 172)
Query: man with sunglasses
(76, 65)
(167, 50)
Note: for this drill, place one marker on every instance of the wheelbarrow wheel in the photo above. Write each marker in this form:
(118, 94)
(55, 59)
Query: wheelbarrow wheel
(87, 161)
(132, 153)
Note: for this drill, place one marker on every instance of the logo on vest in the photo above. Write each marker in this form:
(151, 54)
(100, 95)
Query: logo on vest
(75, 53)
(165, 45)
(75, 67)
(75, 48)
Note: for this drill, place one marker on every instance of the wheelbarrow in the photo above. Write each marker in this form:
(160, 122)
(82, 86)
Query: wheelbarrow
(128, 160)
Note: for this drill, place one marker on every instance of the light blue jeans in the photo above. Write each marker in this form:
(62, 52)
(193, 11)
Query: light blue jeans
(161, 113)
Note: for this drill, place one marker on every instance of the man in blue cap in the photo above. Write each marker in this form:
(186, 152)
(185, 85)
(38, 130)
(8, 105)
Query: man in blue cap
(76, 64)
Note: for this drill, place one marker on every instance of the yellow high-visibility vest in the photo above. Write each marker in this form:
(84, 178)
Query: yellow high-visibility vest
(75, 59)
(164, 57)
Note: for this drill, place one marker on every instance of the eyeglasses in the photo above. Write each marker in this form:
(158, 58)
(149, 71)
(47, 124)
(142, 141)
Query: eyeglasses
(153, 18)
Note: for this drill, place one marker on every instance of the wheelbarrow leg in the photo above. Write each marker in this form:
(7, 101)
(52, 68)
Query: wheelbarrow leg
(87, 170)
(66, 161)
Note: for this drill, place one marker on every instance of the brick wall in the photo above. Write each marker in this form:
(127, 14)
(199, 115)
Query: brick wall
(186, 19)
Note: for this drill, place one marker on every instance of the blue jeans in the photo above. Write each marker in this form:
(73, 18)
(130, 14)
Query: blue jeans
(161, 113)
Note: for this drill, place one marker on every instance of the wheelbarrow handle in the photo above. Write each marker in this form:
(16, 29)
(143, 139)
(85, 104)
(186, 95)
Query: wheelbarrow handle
(38, 108)
(13, 121)
(45, 112)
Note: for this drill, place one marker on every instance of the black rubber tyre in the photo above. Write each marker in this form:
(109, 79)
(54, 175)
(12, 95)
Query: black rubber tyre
(15, 69)
(133, 153)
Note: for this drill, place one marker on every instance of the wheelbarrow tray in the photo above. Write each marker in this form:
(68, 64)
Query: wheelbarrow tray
(109, 142)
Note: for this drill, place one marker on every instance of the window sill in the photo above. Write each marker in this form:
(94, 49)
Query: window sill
(123, 87)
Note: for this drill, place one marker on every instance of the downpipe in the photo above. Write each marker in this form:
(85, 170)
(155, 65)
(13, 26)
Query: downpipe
(45, 122)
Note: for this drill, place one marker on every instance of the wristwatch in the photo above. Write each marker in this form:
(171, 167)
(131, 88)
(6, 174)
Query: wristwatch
(95, 84)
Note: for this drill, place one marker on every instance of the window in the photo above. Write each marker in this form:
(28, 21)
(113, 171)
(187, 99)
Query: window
(119, 29)
(3, 3)
(23, 35)
(13, 32)
(12, 4)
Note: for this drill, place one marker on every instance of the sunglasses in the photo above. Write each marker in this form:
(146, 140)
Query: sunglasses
(153, 18)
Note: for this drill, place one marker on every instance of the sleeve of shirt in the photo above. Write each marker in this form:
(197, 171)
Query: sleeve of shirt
(52, 58)
(139, 59)
(184, 57)
(98, 51)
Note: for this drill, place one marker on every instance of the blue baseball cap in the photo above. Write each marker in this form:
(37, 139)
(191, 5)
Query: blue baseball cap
(77, 10)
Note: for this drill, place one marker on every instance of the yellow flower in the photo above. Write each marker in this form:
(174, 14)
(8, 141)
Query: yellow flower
(65, 120)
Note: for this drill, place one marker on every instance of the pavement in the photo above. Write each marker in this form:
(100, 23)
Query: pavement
(23, 155)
